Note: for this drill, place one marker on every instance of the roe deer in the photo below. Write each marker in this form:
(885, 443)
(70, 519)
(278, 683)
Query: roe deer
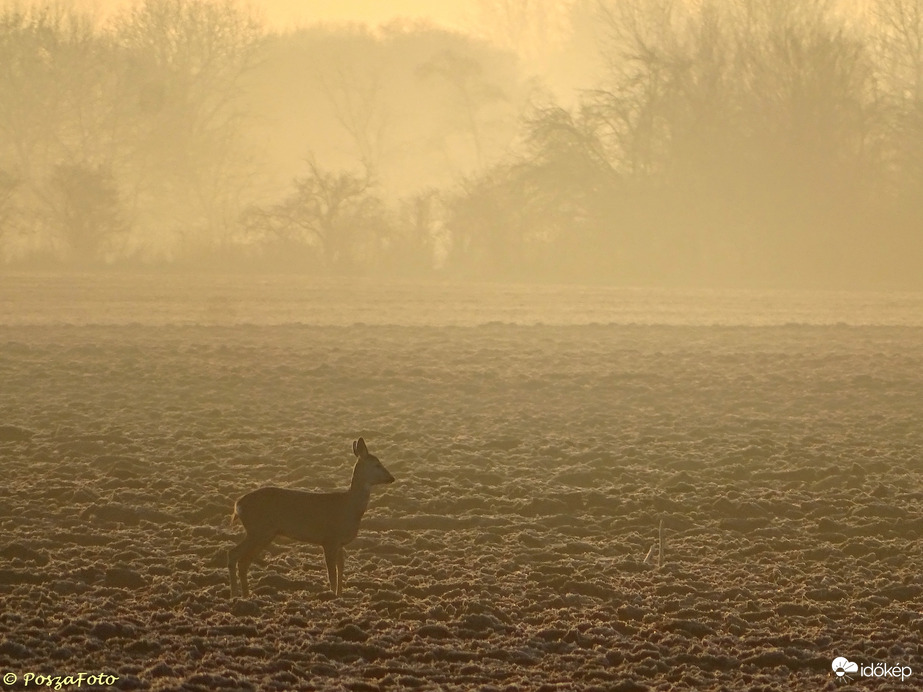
(330, 520)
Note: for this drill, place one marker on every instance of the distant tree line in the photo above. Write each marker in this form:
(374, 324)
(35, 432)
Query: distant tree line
(727, 142)
(741, 142)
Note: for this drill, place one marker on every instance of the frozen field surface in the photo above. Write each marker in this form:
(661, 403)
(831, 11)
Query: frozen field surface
(534, 463)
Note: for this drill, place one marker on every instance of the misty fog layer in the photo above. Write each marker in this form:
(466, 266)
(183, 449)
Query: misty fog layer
(728, 143)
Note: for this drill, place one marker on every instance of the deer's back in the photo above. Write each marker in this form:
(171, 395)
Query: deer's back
(305, 516)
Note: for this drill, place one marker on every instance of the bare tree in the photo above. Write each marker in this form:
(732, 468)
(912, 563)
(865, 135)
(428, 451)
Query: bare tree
(642, 58)
(59, 115)
(419, 239)
(899, 34)
(8, 185)
(86, 209)
(334, 212)
(530, 28)
(899, 45)
(185, 60)
(356, 98)
(470, 92)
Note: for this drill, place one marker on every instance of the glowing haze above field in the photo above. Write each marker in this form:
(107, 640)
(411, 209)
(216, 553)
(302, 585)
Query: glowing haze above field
(760, 144)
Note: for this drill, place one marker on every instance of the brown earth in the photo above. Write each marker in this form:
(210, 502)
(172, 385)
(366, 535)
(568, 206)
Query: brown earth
(533, 467)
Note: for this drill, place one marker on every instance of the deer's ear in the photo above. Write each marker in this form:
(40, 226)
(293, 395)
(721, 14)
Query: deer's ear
(359, 448)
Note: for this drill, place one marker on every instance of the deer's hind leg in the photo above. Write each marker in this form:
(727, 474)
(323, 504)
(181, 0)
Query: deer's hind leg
(240, 557)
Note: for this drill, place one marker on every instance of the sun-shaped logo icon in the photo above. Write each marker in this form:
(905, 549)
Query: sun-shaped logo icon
(842, 666)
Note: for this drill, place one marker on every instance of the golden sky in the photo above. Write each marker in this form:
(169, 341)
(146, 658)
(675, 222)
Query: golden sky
(283, 14)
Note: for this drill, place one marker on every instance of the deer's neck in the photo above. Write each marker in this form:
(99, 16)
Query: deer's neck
(359, 493)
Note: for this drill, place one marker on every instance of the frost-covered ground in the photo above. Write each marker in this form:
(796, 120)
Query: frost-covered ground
(533, 464)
